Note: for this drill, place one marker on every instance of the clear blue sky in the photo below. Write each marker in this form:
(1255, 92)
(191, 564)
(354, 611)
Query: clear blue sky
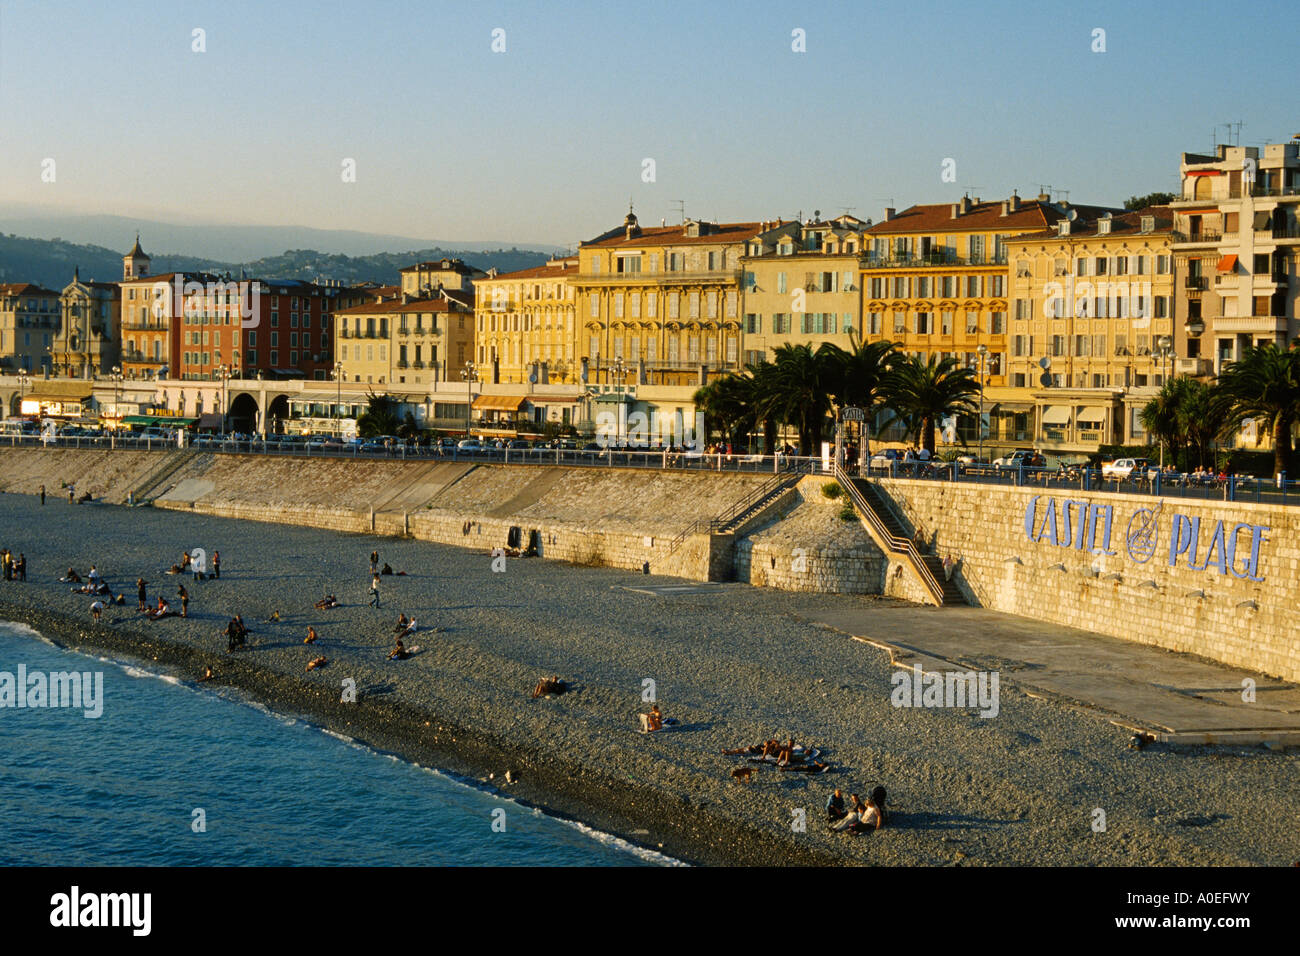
(545, 142)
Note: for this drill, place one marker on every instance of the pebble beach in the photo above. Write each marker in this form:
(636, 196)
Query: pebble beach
(733, 665)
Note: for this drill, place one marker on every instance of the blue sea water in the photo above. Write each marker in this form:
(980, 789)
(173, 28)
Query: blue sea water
(123, 788)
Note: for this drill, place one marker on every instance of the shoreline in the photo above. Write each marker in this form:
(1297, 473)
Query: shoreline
(559, 788)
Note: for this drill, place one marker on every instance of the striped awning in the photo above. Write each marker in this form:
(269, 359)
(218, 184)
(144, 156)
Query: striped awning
(498, 403)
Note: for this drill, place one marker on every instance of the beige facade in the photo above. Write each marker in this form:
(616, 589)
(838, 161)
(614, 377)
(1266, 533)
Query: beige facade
(424, 279)
(1094, 298)
(661, 305)
(89, 339)
(404, 341)
(800, 285)
(29, 320)
(1237, 224)
(526, 325)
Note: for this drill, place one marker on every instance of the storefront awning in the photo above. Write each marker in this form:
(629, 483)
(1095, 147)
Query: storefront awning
(1056, 415)
(614, 398)
(1093, 414)
(538, 400)
(498, 403)
(1227, 263)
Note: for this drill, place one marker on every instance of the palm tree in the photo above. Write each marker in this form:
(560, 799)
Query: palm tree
(729, 402)
(1201, 416)
(1160, 416)
(1264, 385)
(920, 393)
(858, 378)
(797, 392)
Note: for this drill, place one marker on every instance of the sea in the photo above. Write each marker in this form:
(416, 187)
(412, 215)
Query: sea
(174, 773)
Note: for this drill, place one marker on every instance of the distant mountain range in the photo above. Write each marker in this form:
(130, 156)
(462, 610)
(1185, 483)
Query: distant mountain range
(50, 262)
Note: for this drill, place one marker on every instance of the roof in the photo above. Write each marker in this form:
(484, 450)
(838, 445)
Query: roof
(443, 265)
(24, 288)
(1032, 216)
(136, 251)
(168, 276)
(1125, 224)
(395, 306)
(555, 269)
(723, 232)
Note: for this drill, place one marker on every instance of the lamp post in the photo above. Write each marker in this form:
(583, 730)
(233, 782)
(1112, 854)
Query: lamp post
(983, 351)
(22, 387)
(116, 376)
(224, 372)
(619, 369)
(338, 395)
(1165, 351)
(470, 374)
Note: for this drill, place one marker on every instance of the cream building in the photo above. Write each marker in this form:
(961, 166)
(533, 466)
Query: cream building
(29, 320)
(800, 286)
(661, 304)
(526, 325)
(405, 341)
(89, 340)
(1093, 333)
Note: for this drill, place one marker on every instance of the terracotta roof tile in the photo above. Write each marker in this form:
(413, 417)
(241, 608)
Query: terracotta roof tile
(725, 232)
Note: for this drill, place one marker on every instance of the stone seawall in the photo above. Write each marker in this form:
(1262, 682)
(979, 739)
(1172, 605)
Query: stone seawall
(1206, 577)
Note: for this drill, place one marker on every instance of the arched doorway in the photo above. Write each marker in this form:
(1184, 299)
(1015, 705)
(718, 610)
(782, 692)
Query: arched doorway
(277, 413)
(243, 414)
(15, 405)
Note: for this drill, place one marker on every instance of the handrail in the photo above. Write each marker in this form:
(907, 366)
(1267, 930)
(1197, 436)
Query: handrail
(896, 544)
(720, 521)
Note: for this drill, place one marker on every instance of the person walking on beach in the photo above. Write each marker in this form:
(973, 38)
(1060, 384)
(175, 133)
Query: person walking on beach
(42, 496)
(374, 591)
(185, 600)
(143, 603)
(72, 491)
(216, 565)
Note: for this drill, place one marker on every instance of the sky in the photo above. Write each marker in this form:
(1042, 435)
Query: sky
(547, 140)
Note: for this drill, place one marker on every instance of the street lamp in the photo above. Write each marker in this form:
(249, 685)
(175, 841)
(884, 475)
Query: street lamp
(1164, 350)
(22, 386)
(983, 351)
(116, 376)
(619, 369)
(338, 395)
(224, 372)
(470, 374)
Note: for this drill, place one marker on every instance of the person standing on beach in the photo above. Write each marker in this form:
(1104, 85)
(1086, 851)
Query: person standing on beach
(96, 609)
(42, 496)
(22, 567)
(374, 591)
(185, 600)
(216, 565)
(4, 563)
(140, 594)
(72, 491)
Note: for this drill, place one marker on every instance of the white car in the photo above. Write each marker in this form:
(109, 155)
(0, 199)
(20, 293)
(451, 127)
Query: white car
(469, 444)
(1125, 467)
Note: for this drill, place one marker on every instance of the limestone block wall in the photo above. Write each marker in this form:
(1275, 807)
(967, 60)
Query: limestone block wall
(1209, 577)
(807, 547)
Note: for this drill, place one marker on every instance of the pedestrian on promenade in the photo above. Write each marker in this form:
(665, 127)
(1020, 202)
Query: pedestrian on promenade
(374, 591)
(142, 601)
(185, 600)
(42, 496)
(216, 565)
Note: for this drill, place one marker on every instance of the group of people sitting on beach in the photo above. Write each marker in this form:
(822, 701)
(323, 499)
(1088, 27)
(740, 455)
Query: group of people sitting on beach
(236, 633)
(327, 602)
(786, 756)
(14, 569)
(860, 817)
(550, 685)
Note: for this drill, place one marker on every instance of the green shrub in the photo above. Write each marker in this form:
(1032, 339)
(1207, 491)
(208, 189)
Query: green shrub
(832, 490)
(848, 512)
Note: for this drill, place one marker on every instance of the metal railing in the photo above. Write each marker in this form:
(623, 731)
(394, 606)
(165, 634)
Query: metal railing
(896, 544)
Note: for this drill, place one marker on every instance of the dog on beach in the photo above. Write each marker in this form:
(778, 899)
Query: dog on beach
(743, 774)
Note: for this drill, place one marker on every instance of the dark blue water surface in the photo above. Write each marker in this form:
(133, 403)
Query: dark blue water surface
(122, 789)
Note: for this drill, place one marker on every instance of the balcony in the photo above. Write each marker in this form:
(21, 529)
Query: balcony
(1195, 283)
(1260, 324)
(403, 330)
(931, 259)
(1193, 366)
(1203, 236)
(676, 277)
(401, 363)
(345, 333)
(153, 326)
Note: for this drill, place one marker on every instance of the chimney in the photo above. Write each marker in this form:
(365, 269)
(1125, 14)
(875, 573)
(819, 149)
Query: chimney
(956, 210)
(1044, 197)
(966, 204)
(1013, 204)
(890, 212)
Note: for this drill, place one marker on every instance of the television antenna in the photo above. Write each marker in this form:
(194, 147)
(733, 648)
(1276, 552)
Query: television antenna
(681, 207)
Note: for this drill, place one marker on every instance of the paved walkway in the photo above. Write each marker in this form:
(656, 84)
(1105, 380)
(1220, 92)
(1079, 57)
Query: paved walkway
(1178, 698)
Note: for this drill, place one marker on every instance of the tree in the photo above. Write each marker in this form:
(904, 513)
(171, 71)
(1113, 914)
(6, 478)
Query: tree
(797, 392)
(380, 417)
(1263, 385)
(1151, 199)
(1160, 416)
(920, 393)
(858, 378)
(729, 402)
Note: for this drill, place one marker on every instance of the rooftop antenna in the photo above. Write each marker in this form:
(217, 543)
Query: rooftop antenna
(845, 210)
(681, 207)
(969, 189)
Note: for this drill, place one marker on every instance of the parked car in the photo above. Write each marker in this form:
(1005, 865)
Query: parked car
(469, 444)
(1027, 457)
(1126, 468)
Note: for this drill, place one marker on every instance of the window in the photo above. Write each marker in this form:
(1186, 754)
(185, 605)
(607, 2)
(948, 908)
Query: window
(595, 307)
(998, 286)
(877, 288)
(923, 286)
(945, 323)
(753, 323)
(923, 323)
(1162, 265)
(875, 323)
(780, 283)
(972, 323)
(900, 323)
(1058, 344)
(998, 323)
(1024, 308)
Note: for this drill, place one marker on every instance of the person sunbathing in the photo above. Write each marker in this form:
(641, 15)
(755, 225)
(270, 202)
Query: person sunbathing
(328, 601)
(654, 719)
(549, 685)
(71, 577)
(812, 766)
(316, 662)
(400, 653)
(311, 637)
(402, 622)
(740, 751)
(162, 610)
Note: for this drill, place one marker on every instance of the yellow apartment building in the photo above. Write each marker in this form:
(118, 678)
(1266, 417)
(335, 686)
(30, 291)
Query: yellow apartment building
(660, 305)
(424, 279)
(405, 341)
(800, 286)
(1093, 334)
(526, 325)
(29, 320)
